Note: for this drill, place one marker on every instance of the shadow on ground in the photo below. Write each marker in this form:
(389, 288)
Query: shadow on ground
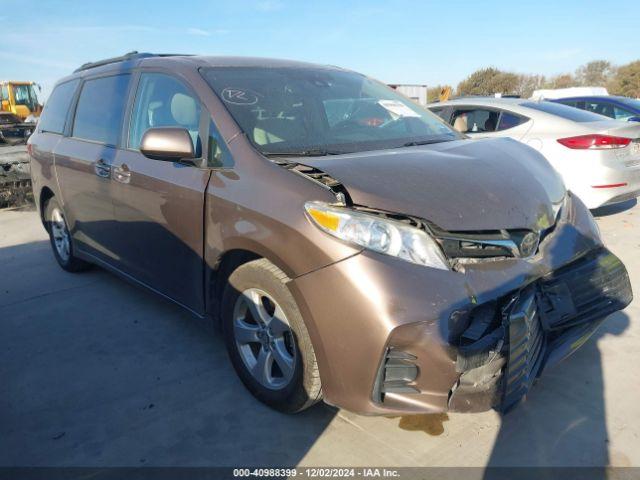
(96, 372)
(615, 208)
(99, 373)
(545, 431)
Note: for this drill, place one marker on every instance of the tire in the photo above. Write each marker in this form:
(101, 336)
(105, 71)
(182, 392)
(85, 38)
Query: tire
(258, 289)
(57, 228)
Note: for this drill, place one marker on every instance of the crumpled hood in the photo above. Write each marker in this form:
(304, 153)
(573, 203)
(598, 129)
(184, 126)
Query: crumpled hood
(483, 184)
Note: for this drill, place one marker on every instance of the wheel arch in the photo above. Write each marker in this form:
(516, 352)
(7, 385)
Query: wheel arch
(46, 194)
(219, 273)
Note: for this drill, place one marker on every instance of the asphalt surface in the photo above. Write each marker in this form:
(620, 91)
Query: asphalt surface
(96, 372)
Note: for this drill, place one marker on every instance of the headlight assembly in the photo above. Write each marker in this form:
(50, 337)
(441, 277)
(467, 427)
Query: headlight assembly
(379, 234)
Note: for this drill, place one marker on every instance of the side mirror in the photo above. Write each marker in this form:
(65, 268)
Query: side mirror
(635, 118)
(169, 144)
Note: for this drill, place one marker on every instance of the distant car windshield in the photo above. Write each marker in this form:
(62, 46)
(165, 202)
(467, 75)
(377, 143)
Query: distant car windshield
(304, 110)
(564, 111)
(631, 102)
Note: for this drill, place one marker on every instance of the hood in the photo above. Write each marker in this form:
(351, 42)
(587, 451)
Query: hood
(483, 184)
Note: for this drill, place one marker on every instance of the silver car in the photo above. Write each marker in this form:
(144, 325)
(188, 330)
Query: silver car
(598, 158)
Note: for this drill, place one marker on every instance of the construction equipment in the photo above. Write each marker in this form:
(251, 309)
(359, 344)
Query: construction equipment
(20, 109)
(445, 93)
(21, 99)
(13, 130)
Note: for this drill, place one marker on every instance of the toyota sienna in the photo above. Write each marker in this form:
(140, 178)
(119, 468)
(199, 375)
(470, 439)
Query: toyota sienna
(352, 246)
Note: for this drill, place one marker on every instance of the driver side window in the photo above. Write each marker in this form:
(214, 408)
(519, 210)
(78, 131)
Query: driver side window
(475, 120)
(163, 101)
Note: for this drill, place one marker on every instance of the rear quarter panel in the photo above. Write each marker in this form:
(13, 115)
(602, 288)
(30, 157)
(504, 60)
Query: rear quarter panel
(43, 172)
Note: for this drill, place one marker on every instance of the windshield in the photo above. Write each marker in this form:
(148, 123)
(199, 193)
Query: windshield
(631, 102)
(322, 111)
(25, 95)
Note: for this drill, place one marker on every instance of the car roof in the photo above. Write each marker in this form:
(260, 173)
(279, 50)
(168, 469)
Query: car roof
(588, 97)
(134, 59)
(607, 98)
(519, 106)
(258, 62)
(484, 101)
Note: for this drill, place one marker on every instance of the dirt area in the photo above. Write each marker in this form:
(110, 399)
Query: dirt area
(15, 178)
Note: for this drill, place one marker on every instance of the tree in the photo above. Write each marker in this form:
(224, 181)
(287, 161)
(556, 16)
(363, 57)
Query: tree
(597, 73)
(528, 83)
(564, 80)
(626, 81)
(488, 81)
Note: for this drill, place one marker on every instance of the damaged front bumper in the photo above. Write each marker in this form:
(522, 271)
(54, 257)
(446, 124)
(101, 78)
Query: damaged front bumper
(396, 338)
(500, 357)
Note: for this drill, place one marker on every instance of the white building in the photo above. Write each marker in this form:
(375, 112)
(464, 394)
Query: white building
(417, 93)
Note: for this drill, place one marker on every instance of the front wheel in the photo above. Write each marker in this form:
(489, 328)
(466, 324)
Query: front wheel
(267, 341)
(60, 238)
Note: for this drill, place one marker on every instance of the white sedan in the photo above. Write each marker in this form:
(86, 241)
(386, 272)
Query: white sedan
(598, 158)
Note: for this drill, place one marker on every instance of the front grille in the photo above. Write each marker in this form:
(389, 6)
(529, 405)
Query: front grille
(588, 289)
(525, 347)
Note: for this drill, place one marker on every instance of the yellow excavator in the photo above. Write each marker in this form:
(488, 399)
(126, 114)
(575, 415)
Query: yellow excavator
(21, 99)
(445, 93)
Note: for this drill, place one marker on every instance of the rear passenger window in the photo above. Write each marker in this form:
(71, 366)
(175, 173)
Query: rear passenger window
(475, 120)
(101, 108)
(163, 101)
(600, 108)
(56, 109)
(509, 120)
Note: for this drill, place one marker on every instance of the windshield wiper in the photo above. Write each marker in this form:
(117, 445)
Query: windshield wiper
(303, 153)
(424, 142)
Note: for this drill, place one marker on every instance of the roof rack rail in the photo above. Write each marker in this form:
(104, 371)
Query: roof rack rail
(127, 56)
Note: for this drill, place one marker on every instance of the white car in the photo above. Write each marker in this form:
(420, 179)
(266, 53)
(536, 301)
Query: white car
(598, 158)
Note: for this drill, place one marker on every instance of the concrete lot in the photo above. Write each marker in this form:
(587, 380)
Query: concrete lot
(96, 372)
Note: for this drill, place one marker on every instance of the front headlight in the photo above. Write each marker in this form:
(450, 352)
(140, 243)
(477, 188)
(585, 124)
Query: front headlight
(381, 235)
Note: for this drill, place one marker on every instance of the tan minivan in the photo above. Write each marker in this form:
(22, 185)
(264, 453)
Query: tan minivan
(353, 247)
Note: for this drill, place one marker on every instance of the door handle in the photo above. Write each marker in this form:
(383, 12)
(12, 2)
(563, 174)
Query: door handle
(102, 168)
(122, 173)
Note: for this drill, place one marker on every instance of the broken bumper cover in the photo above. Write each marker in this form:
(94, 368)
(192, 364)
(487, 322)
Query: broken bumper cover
(535, 328)
(430, 340)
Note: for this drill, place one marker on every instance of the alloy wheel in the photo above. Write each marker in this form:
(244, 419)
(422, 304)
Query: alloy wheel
(264, 339)
(60, 234)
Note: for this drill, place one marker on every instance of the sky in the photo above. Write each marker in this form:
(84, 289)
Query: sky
(396, 41)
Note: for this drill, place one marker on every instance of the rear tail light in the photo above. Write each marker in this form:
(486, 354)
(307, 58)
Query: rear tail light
(594, 142)
(610, 185)
(29, 149)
